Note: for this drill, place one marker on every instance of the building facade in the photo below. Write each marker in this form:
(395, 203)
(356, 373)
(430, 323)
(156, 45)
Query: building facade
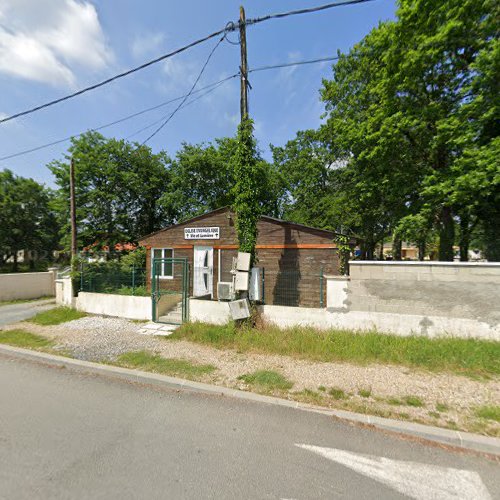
(294, 258)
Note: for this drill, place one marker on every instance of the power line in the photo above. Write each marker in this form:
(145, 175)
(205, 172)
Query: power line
(188, 94)
(182, 107)
(296, 63)
(211, 86)
(310, 10)
(120, 75)
(231, 26)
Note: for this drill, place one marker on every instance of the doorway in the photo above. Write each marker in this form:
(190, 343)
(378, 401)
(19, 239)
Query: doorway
(203, 271)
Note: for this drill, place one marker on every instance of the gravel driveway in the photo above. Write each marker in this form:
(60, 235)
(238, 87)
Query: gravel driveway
(96, 338)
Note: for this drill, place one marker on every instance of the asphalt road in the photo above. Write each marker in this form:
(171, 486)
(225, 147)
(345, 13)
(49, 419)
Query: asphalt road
(13, 313)
(70, 435)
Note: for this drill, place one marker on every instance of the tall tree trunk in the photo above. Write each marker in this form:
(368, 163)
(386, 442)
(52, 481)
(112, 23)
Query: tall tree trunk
(492, 236)
(381, 251)
(15, 266)
(464, 237)
(397, 248)
(446, 235)
(421, 249)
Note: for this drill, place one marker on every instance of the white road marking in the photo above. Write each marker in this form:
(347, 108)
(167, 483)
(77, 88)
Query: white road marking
(416, 480)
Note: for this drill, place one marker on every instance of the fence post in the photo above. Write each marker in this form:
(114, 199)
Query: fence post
(81, 276)
(321, 288)
(133, 279)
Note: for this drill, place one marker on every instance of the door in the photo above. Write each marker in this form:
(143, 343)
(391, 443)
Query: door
(170, 296)
(203, 273)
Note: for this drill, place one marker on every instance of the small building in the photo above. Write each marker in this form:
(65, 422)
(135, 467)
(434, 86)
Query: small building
(293, 258)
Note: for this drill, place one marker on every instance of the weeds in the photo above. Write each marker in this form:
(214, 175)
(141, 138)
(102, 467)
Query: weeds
(465, 356)
(268, 379)
(57, 316)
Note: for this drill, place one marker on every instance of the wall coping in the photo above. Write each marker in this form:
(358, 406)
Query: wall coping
(26, 274)
(336, 277)
(420, 263)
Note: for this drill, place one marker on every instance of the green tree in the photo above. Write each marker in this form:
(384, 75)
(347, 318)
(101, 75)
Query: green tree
(117, 185)
(27, 221)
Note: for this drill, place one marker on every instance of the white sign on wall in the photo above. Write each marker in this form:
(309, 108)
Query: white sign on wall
(201, 233)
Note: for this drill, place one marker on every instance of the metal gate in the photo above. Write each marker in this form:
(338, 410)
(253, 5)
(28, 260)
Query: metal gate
(170, 290)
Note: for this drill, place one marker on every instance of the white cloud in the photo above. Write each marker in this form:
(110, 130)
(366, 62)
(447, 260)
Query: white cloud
(47, 40)
(147, 44)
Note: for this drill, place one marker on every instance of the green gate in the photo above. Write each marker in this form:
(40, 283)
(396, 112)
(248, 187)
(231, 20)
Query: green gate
(170, 290)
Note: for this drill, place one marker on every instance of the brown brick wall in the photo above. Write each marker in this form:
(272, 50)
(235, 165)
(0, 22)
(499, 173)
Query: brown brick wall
(291, 265)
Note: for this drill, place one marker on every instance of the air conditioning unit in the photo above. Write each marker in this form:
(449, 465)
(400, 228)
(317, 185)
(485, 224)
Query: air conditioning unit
(225, 291)
(240, 309)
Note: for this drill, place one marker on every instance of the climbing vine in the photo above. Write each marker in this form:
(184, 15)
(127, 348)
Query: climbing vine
(246, 189)
(344, 253)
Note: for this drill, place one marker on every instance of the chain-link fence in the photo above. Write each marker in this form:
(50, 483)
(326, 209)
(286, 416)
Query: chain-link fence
(113, 279)
(294, 288)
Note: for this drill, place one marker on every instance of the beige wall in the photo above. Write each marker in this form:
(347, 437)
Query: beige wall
(123, 306)
(18, 286)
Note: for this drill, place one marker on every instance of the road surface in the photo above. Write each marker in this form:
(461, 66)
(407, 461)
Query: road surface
(65, 434)
(12, 313)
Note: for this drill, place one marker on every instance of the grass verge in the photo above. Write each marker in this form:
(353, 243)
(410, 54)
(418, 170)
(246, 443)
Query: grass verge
(23, 338)
(491, 412)
(464, 356)
(147, 361)
(267, 379)
(56, 316)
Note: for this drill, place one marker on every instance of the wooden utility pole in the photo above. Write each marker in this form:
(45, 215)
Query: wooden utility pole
(243, 66)
(72, 202)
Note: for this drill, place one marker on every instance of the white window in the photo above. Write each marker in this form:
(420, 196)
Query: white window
(163, 269)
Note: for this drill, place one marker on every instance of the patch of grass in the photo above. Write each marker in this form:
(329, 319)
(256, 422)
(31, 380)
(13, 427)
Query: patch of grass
(465, 356)
(414, 401)
(395, 401)
(322, 388)
(24, 301)
(154, 363)
(365, 393)
(434, 414)
(267, 379)
(489, 412)
(442, 407)
(309, 396)
(56, 316)
(23, 338)
(337, 393)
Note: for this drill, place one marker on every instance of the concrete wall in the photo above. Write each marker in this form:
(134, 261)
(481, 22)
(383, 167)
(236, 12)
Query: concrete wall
(457, 290)
(64, 292)
(124, 306)
(27, 285)
(433, 299)
(209, 311)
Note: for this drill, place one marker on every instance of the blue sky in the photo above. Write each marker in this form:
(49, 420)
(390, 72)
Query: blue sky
(49, 48)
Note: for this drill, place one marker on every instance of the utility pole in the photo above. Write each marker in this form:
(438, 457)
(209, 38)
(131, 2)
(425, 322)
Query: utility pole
(243, 66)
(72, 202)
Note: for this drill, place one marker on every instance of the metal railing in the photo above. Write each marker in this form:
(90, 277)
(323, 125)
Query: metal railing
(113, 279)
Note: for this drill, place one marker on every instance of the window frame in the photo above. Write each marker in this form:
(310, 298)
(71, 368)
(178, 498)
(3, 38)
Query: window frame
(162, 276)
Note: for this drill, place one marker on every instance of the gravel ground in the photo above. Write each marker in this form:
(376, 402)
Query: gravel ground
(96, 338)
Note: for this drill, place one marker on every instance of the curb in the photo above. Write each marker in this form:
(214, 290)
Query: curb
(437, 435)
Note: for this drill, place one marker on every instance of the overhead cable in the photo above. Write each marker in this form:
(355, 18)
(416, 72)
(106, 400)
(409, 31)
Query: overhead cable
(231, 26)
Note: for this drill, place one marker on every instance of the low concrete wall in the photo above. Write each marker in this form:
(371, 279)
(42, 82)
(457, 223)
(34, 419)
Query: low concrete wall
(64, 292)
(124, 306)
(17, 286)
(209, 311)
(393, 323)
(432, 299)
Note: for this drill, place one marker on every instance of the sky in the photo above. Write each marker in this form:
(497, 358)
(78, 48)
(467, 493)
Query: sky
(50, 48)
